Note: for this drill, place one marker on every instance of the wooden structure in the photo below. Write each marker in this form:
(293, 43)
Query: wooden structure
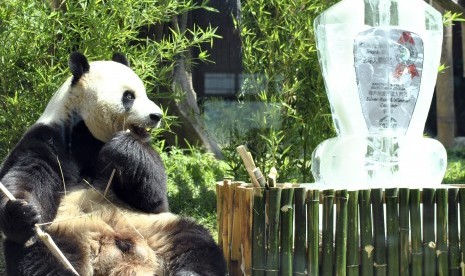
(307, 230)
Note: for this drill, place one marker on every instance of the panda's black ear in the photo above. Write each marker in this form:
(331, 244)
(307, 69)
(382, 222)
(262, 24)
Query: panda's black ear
(118, 57)
(78, 65)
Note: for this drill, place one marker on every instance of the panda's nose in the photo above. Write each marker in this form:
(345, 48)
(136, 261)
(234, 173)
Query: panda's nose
(155, 117)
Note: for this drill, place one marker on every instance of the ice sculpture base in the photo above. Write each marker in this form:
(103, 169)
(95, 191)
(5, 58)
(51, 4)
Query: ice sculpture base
(358, 162)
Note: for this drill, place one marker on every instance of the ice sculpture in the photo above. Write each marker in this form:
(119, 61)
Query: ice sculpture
(379, 60)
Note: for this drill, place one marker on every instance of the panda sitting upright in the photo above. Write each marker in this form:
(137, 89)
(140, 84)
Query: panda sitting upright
(93, 131)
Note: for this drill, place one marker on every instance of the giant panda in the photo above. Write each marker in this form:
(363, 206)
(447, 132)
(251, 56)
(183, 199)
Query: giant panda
(94, 134)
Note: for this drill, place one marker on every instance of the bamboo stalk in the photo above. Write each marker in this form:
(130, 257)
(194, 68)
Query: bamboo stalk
(300, 231)
(341, 232)
(246, 245)
(45, 238)
(404, 231)
(380, 263)
(429, 241)
(352, 235)
(454, 251)
(392, 231)
(287, 231)
(258, 241)
(366, 233)
(273, 212)
(328, 234)
(219, 212)
(441, 232)
(462, 229)
(236, 224)
(313, 218)
(415, 222)
(225, 223)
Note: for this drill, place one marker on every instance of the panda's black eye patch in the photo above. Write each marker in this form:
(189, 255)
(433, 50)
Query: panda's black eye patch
(128, 99)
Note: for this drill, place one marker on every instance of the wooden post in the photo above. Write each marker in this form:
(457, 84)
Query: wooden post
(429, 239)
(341, 232)
(404, 231)
(380, 262)
(353, 236)
(366, 233)
(415, 225)
(328, 235)
(392, 231)
(300, 231)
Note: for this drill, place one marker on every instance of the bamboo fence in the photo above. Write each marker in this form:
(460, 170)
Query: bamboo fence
(300, 230)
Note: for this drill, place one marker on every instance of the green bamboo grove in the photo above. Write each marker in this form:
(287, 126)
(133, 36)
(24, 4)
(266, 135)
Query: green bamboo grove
(297, 230)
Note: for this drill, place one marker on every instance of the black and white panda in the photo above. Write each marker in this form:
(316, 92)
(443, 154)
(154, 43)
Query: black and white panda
(95, 129)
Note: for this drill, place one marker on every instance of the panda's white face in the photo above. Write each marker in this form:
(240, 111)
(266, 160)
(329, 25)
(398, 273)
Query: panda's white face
(109, 97)
(114, 99)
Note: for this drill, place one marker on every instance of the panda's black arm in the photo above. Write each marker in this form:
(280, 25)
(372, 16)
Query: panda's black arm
(37, 260)
(140, 178)
(32, 174)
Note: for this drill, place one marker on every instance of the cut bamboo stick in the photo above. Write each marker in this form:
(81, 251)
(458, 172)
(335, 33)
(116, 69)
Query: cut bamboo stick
(352, 235)
(404, 231)
(366, 233)
(380, 262)
(313, 241)
(328, 235)
(258, 241)
(341, 232)
(273, 222)
(429, 241)
(287, 231)
(300, 231)
(249, 164)
(272, 177)
(392, 231)
(415, 226)
(441, 232)
(453, 219)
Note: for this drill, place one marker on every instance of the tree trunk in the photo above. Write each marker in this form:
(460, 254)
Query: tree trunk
(445, 93)
(192, 130)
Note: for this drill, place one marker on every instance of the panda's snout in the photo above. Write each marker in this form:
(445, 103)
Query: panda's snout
(155, 117)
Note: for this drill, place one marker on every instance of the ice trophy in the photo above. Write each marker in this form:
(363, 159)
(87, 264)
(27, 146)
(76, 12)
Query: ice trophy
(379, 60)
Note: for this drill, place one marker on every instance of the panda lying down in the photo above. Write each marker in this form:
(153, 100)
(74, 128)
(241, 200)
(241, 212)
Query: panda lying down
(96, 128)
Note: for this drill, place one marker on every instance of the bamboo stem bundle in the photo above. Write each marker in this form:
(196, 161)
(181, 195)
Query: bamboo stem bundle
(287, 231)
(300, 231)
(341, 232)
(366, 233)
(352, 235)
(392, 231)
(429, 244)
(313, 219)
(453, 219)
(273, 212)
(380, 262)
(441, 232)
(328, 223)
(415, 226)
(404, 230)
(258, 241)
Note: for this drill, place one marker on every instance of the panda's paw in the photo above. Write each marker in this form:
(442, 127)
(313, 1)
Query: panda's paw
(18, 220)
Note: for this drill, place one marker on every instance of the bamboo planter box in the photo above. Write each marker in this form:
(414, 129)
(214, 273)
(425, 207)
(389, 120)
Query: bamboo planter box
(301, 230)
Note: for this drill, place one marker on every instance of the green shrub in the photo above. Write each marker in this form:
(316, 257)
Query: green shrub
(192, 175)
(455, 173)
